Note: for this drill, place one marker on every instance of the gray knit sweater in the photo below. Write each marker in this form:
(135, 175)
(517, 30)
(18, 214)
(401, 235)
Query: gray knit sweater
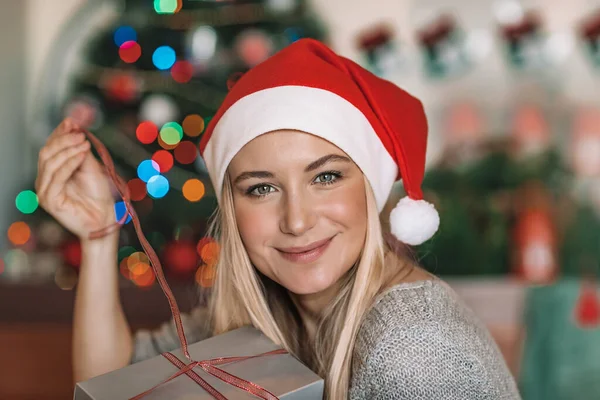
(418, 341)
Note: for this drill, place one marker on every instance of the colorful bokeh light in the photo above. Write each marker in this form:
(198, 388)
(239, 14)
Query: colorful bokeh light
(193, 190)
(124, 34)
(27, 202)
(164, 57)
(193, 125)
(130, 52)
(166, 146)
(147, 169)
(205, 276)
(210, 252)
(158, 186)
(164, 159)
(146, 132)
(137, 189)
(186, 152)
(120, 210)
(167, 6)
(182, 71)
(171, 133)
(19, 233)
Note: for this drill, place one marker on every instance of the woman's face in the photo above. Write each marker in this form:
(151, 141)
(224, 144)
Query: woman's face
(300, 207)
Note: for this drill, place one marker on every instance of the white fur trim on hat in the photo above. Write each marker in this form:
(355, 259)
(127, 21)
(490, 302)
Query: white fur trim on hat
(312, 110)
(414, 221)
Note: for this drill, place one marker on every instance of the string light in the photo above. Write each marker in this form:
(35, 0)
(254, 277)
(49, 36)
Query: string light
(27, 202)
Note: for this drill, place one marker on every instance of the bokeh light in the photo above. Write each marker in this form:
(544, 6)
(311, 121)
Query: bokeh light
(167, 6)
(166, 146)
(147, 169)
(193, 125)
(124, 34)
(137, 189)
(164, 57)
(27, 202)
(171, 133)
(205, 275)
(193, 190)
(121, 87)
(146, 132)
(120, 210)
(164, 159)
(136, 258)
(182, 71)
(130, 52)
(158, 186)
(186, 152)
(124, 269)
(19, 233)
(145, 280)
(210, 252)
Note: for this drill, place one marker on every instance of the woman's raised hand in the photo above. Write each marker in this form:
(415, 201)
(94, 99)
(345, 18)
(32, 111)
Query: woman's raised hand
(71, 184)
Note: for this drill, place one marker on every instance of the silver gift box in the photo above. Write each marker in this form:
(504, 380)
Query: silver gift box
(281, 374)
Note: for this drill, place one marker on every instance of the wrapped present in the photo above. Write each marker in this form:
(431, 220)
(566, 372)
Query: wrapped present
(248, 374)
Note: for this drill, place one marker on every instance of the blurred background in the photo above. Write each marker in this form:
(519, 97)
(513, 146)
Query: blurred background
(511, 92)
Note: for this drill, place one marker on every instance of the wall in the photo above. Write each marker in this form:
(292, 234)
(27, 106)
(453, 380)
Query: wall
(12, 139)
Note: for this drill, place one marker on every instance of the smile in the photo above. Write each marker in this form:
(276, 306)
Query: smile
(306, 254)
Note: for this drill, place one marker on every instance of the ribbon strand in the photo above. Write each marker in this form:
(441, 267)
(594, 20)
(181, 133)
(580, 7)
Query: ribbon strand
(208, 365)
(123, 190)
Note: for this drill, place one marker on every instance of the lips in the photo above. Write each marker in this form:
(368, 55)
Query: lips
(306, 254)
(304, 249)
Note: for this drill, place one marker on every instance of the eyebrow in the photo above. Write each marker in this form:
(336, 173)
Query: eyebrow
(310, 167)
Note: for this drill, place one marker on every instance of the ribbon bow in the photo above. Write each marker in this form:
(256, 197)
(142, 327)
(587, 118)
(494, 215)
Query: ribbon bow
(207, 365)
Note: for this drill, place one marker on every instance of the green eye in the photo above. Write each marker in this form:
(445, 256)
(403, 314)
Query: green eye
(261, 190)
(327, 177)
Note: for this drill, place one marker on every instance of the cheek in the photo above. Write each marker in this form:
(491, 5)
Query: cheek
(256, 225)
(348, 208)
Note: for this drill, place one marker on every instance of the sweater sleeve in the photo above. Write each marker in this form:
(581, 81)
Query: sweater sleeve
(424, 364)
(151, 343)
(419, 342)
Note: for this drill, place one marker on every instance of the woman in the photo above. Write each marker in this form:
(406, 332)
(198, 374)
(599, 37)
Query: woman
(302, 154)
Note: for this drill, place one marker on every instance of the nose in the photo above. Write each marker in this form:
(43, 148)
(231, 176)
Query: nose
(298, 215)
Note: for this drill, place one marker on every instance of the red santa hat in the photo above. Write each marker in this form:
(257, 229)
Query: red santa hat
(308, 87)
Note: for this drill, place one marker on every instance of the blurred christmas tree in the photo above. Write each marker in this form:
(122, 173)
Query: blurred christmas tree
(146, 83)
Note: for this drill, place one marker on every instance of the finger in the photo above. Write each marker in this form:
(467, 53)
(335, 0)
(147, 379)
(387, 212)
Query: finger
(53, 165)
(58, 145)
(61, 177)
(65, 127)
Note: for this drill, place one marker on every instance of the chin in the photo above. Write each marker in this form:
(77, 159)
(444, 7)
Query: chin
(306, 284)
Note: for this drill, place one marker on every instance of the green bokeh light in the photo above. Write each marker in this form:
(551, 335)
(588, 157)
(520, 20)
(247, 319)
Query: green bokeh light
(171, 133)
(166, 6)
(27, 202)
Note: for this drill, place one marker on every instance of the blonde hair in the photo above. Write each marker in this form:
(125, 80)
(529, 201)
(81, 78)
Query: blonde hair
(241, 296)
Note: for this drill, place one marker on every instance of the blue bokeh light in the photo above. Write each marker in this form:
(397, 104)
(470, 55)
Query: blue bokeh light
(164, 57)
(158, 186)
(147, 169)
(124, 34)
(120, 210)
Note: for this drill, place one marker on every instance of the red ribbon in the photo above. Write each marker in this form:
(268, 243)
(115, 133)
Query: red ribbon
(207, 365)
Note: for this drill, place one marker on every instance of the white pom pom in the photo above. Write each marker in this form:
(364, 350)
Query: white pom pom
(414, 221)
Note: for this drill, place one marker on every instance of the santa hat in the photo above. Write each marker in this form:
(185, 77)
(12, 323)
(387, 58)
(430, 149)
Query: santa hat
(308, 87)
